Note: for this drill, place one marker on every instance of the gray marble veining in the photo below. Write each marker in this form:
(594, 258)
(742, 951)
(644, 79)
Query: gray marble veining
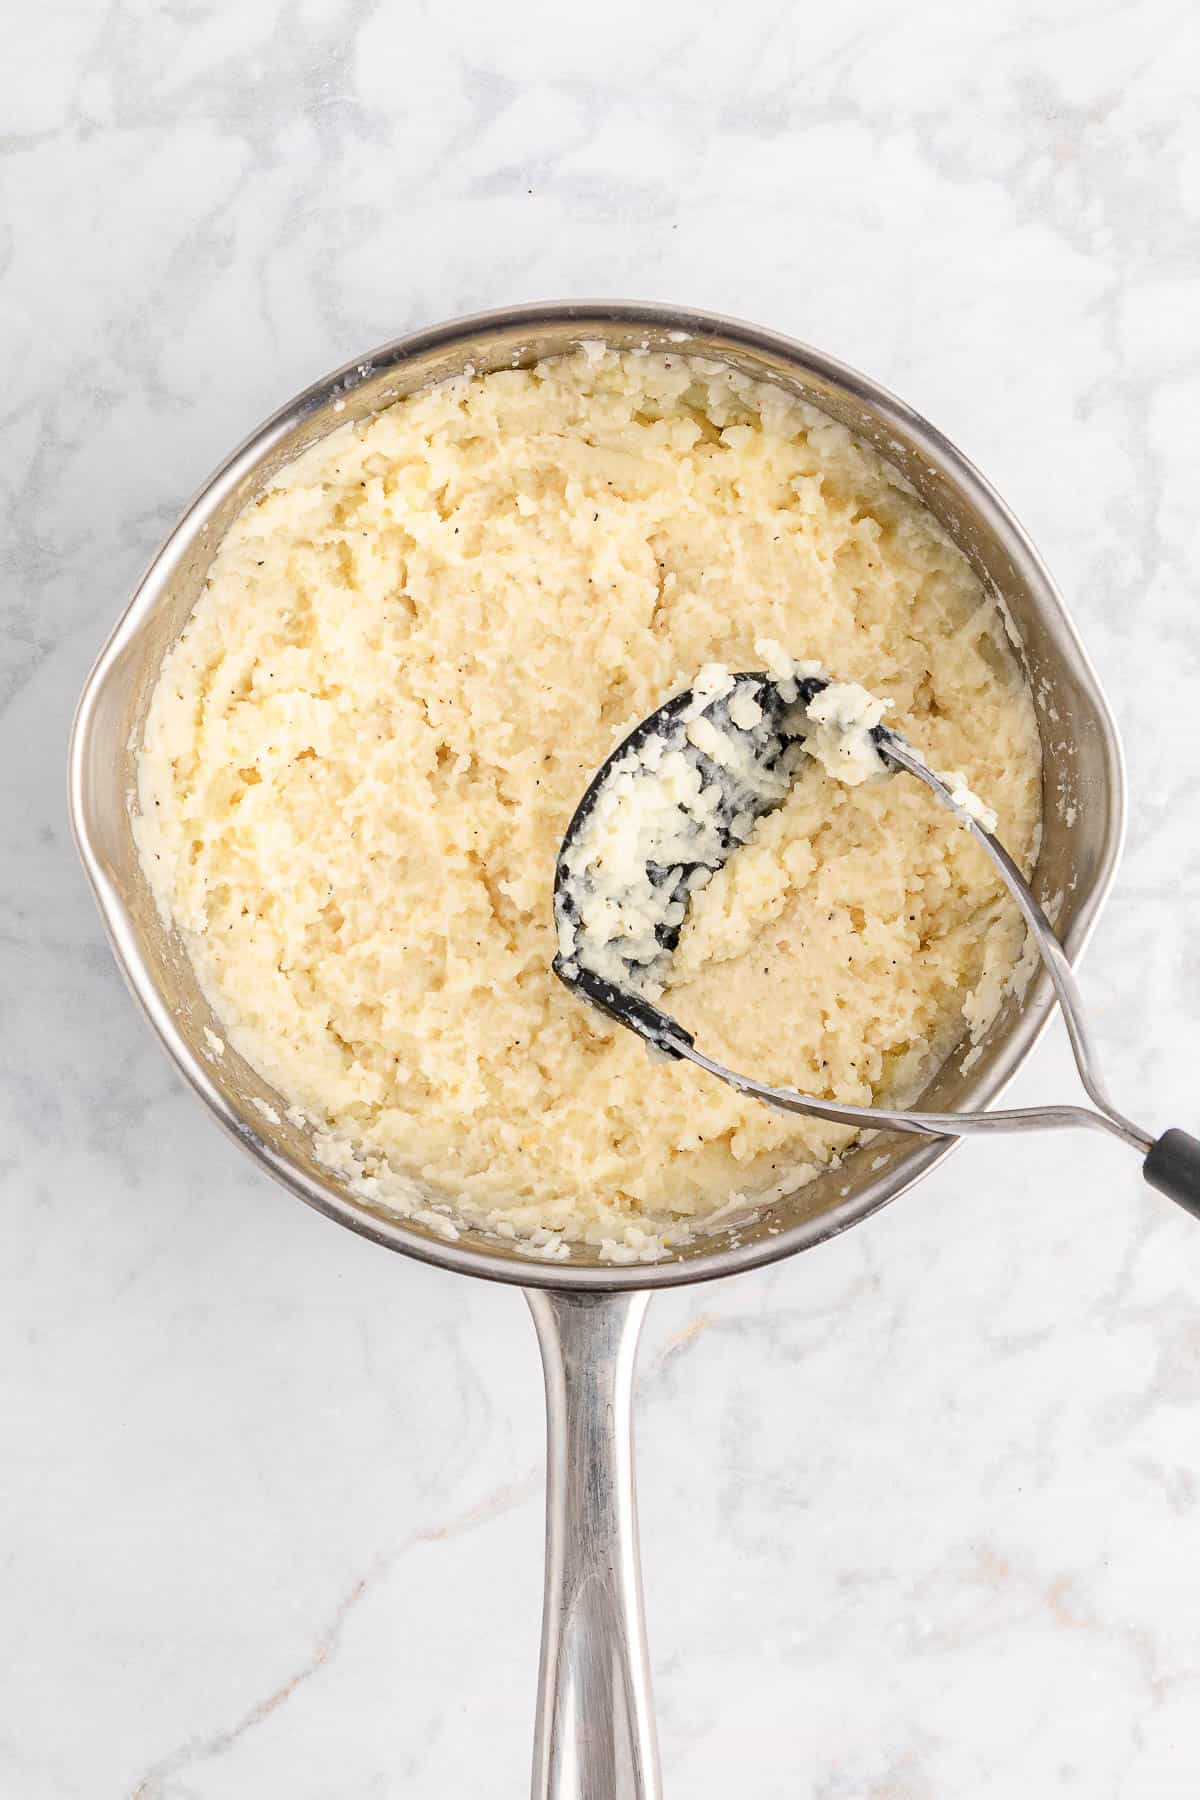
(920, 1509)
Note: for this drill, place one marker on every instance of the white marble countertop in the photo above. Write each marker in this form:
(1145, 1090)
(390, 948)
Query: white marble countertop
(920, 1510)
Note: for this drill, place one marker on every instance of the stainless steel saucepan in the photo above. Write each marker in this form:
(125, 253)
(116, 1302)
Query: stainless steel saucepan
(595, 1734)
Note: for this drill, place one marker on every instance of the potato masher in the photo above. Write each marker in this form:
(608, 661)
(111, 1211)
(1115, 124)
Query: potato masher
(756, 726)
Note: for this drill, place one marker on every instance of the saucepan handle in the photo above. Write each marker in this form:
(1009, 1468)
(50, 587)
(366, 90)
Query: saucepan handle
(595, 1720)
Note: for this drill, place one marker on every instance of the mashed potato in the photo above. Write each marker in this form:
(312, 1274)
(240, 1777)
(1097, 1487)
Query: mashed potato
(412, 653)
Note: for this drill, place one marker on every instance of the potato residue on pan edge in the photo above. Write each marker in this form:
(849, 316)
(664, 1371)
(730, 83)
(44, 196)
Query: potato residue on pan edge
(413, 651)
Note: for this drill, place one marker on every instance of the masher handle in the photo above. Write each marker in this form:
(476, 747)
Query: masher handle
(1172, 1166)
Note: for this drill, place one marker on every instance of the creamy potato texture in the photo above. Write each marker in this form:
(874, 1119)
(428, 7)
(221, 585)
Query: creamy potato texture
(412, 653)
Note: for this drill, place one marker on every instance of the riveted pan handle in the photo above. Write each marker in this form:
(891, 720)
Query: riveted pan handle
(595, 1721)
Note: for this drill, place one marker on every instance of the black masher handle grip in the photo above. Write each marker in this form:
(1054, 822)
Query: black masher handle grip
(1173, 1167)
